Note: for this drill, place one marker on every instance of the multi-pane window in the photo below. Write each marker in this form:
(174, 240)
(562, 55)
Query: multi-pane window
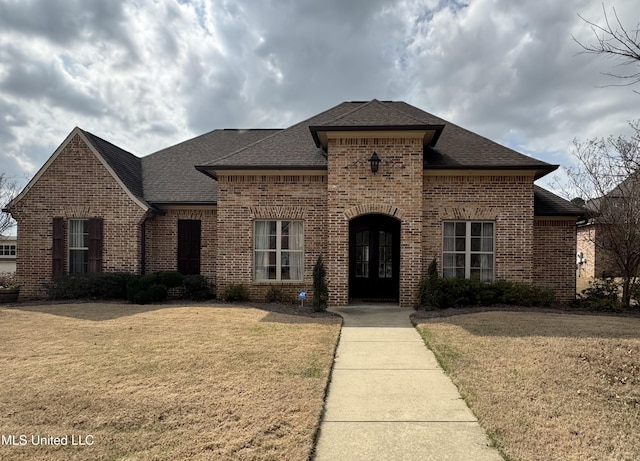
(78, 246)
(279, 250)
(468, 250)
(7, 250)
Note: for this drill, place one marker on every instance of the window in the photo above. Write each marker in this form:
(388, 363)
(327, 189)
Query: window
(78, 246)
(7, 250)
(468, 250)
(278, 248)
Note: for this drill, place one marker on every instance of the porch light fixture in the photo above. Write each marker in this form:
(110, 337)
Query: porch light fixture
(375, 162)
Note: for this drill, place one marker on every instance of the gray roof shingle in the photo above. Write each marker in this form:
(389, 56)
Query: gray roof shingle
(546, 203)
(169, 175)
(126, 166)
(455, 148)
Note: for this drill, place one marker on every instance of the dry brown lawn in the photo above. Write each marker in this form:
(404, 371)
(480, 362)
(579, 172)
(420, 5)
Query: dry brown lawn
(162, 383)
(547, 386)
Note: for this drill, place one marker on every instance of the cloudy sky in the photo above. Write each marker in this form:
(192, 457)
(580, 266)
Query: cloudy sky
(147, 74)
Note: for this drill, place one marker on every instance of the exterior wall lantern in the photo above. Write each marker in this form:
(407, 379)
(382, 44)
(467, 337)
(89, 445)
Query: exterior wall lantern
(375, 162)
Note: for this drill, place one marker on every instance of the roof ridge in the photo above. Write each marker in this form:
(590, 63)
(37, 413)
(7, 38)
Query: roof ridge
(386, 104)
(125, 165)
(360, 105)
(108, 142)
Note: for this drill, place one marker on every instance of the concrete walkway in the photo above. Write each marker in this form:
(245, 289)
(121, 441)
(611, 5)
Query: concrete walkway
(388, 398)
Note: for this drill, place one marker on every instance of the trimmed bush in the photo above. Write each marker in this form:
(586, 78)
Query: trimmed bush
(235, 292)
(103, 285)
(320, 289)
(196, 288)
(278, 295)
(602, 295)
(440, 293)
(170, 279)
(157, 293)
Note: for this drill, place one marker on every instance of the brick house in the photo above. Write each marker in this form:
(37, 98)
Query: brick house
(8, 250)
(258, 206)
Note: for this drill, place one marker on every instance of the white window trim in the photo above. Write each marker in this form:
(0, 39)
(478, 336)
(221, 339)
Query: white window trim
(467, 246)
(70, 248)
(278, 251)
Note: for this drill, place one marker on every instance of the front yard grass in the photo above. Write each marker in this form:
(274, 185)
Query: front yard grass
(162, 383)
(546, 386)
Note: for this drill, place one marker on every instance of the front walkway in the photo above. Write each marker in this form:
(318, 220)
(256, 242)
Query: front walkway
(388, 398)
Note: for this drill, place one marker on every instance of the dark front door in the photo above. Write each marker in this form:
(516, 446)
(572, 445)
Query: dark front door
(374, 258)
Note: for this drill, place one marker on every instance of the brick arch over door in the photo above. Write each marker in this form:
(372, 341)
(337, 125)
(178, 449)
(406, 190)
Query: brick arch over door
(375, 208)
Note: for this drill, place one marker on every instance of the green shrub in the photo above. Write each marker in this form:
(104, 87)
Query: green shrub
(133, 288)
(141, 297)
(103, 285)
(278, 295)
(521, 294)
(602, 295)
(320, 289)
(441, 293)
(170, 279)
(196, 287)
(427, 288)
(157, 293)
(149, 279)
(235, 292)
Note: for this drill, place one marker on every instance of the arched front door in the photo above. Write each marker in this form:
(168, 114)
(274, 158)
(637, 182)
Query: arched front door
(374, 258)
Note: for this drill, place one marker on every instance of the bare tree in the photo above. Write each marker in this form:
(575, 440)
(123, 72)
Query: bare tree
(614, 40)
(607, 177)
(8, 190)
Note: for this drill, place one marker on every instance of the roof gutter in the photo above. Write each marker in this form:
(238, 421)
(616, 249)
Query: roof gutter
(212, 170)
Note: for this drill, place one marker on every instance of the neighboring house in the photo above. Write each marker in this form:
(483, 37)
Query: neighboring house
(258, 207)
(8, 249)
(608, 239)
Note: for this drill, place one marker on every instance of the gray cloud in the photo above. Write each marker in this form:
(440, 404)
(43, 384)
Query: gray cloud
(66, 22)
(38, 80)
(145, 75)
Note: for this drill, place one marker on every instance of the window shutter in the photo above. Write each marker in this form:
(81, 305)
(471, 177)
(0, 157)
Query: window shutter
(58, 246)
(95, 245)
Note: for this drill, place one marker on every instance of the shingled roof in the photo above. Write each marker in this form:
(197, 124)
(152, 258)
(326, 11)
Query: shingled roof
(125, 165)
(546, 203)
(169, 176)
(453, 147)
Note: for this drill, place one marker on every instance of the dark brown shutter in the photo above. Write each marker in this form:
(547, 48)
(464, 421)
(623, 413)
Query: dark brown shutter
(189, 246)
(95, 245)
(58, 246)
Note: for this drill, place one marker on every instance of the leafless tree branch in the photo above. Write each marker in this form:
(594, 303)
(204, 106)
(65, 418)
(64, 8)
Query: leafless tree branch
(616, 41)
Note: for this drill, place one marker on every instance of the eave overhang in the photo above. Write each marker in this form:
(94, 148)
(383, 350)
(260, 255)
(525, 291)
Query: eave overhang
(430, 133)
(214, 171)
(538, 171)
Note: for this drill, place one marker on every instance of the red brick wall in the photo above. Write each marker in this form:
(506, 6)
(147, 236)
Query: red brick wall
(555, 256)
(503, 199)
(161, 236)
(75, 185)
(244, 199)
(353, 190)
